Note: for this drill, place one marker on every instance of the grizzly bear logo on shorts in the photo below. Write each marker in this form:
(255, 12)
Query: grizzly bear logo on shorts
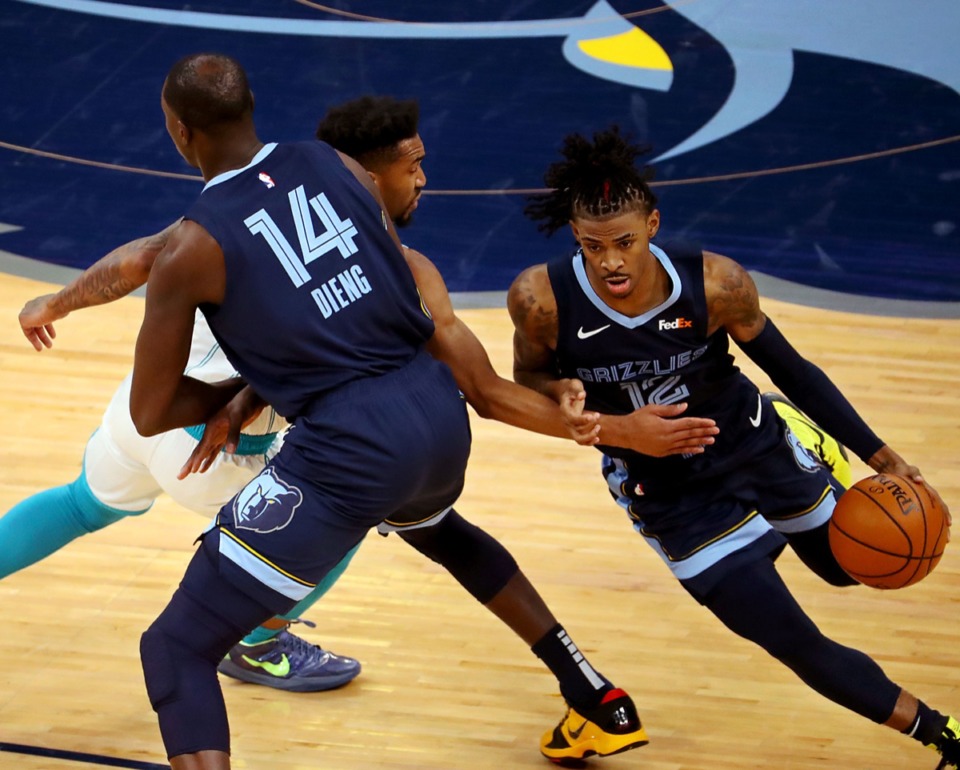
(266, 504)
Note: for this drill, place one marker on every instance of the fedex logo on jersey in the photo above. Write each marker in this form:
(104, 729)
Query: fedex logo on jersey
(677, 323)
(266, 504)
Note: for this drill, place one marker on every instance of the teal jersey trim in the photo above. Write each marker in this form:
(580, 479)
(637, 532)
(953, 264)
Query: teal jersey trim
(249, 443)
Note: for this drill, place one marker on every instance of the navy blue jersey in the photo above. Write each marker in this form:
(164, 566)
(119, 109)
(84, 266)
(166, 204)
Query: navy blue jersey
(317, 293)
(664, 356)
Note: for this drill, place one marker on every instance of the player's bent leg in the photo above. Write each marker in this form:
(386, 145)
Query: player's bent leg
(111, 486)
(483, 566)
(45, 522)
(755, 604)
(180, 652)
(813, 549)
(478, 562)
(273, 657)
(814, 438)
(270, 655)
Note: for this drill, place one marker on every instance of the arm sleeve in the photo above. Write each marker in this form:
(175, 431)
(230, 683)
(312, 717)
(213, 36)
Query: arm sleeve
(808, 387)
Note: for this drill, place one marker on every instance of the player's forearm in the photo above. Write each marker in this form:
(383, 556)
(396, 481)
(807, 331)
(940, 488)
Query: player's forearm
(115, 275)
(812, 390)
(192, 402)
(543, 382)
(521, 407)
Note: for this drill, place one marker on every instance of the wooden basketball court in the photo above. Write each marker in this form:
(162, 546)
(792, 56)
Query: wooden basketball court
(445, 686)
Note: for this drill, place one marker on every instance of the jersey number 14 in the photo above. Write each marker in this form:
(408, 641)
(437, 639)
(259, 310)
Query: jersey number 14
(334, 233)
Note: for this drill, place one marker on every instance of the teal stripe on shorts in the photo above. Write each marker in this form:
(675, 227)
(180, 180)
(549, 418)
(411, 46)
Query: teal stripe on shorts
(249, 444)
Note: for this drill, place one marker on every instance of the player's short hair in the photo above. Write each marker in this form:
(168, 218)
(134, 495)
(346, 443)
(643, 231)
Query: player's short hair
(206, 90)
(369, 128)
(596, 179)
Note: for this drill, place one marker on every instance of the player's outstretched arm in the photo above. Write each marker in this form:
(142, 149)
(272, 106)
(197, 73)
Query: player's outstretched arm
(488, 393)
(652, 430)
(113, 276)
(734, 304)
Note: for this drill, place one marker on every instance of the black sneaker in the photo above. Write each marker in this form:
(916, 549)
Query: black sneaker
(948, 746)
(288, 662)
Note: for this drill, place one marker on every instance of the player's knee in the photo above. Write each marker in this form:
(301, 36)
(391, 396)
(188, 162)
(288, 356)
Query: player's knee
(159, 669)
(478, 562)
(179, 663)
(840, 579)
(90, 512)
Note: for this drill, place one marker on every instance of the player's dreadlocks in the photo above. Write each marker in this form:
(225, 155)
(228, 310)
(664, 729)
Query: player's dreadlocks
(596, 180)
(369, 128)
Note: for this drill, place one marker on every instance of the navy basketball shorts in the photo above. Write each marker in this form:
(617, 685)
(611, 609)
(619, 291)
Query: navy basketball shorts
(394, 446)
(713, 525)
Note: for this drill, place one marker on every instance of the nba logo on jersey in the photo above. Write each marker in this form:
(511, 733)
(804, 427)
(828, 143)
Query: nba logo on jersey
(267, 180)
(266, 504)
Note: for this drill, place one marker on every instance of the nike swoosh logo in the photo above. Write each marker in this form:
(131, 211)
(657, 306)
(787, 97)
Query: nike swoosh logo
(280, 669)
(575, 734)
(755, 421)
(585, 335)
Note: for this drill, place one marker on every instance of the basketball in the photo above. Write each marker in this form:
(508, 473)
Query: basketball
(888, 531)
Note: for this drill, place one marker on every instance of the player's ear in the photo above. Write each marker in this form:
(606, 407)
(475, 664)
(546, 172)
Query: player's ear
(374, 177)
(653, 223)
(184, 132)
(575, 230)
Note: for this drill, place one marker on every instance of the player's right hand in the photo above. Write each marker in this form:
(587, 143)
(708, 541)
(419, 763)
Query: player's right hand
(36, 321)
(583, 426)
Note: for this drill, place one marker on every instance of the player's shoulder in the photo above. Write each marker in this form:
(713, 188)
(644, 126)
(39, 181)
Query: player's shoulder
(721, 272)
(533, 283)
(729, 290)
(531, 295)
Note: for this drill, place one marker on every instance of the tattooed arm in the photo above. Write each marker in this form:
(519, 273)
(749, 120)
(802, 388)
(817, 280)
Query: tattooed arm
(533, 309)
(116, 275)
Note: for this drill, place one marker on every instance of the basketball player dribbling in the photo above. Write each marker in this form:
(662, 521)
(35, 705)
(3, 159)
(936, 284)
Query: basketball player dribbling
(641, 323)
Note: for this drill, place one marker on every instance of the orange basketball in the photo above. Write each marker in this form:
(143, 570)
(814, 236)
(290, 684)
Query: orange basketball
(888, 531)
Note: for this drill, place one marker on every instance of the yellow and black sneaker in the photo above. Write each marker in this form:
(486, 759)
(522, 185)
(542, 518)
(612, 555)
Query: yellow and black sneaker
(814, 438)
(948, 747)
(610, 728)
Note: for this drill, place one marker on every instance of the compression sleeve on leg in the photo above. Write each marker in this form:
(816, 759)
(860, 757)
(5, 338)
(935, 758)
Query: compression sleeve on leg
(479, 562)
